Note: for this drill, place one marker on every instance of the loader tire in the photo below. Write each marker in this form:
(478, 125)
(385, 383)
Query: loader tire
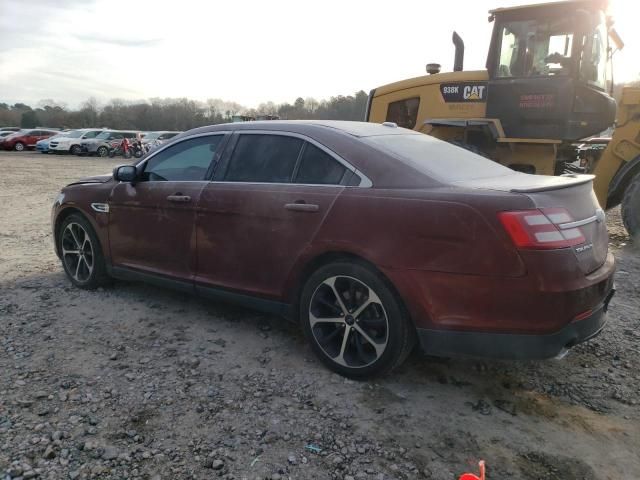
(631, 208)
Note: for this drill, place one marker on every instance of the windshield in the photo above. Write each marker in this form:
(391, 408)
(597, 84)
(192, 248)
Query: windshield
(535, 47)
(438, 159)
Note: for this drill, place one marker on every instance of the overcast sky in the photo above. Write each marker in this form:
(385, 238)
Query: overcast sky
(245, 51)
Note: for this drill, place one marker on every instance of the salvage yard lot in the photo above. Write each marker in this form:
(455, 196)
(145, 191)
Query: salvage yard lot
(135, 381)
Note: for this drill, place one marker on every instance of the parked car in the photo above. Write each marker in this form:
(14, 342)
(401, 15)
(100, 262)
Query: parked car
(43, 146)
(24, 139)
(371, 236)
(10, 129)
(105, 141)
(5, 133)
(71, 143)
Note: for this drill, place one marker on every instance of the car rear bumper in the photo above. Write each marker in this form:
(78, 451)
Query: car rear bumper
(515, 346)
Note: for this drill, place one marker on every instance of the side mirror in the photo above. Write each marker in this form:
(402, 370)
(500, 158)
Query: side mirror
(125, 173)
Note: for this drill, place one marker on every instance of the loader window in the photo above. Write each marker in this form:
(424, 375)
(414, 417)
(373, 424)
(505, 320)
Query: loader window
(593, 64)
(404, 112)
(535, 48)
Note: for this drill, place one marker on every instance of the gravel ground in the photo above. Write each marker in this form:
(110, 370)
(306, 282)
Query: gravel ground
(135, 381)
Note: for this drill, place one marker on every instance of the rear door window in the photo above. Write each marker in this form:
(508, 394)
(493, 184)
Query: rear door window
(263, 158)
(404, 113)
(318, 167)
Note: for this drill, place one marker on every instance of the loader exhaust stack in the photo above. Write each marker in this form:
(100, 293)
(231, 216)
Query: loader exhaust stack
(459, 58)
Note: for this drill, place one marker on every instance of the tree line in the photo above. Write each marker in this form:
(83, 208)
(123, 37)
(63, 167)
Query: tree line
(174, 113)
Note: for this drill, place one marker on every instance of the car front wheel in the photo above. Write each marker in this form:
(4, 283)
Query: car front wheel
(75, 150)
(354, 321)
(81, 254)
(18, 147)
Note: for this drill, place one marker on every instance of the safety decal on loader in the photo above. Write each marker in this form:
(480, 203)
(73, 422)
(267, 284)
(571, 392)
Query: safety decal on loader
(464, 92)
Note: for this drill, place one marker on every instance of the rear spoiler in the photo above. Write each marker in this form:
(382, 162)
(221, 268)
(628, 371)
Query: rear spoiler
(569, 180)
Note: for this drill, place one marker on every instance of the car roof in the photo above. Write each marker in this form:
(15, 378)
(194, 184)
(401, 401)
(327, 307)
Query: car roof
(351, 128)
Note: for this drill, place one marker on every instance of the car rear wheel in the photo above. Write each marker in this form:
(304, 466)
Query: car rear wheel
(355, 323)
(74, 150)
(102, 151)
(18, 147)
(81, 254)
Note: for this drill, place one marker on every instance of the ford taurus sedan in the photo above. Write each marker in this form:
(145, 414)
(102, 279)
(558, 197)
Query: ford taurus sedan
(373, 237)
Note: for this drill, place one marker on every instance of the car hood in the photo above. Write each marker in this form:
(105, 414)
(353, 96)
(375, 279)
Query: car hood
(94, 179)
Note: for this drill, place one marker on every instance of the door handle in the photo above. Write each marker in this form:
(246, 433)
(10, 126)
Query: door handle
(179, 198)
(302, 207)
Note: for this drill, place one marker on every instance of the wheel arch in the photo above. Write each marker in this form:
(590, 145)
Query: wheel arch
(621, 181)
(65, 213)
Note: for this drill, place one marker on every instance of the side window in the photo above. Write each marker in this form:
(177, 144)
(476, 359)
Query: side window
(34, 133)
(90, 135)
(115, 136)
(184, 161)
(317, 167)
(263, 158)
(404, 112)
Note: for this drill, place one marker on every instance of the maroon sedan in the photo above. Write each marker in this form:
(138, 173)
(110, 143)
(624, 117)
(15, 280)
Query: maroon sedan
(27, 138)
(371, 236)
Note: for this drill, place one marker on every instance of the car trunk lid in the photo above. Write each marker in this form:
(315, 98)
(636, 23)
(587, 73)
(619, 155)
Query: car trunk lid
(572, 193)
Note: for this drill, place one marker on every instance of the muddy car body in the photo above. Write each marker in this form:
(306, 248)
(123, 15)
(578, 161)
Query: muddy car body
(362, 232)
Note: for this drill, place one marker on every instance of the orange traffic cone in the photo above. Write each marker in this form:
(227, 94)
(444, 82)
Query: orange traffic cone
(471, 476)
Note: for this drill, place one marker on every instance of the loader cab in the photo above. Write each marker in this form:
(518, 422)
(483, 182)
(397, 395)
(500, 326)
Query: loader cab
(548, 68)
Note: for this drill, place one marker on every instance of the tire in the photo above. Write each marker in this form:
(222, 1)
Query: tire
(363, 335)
(102, 151)
(631, 208)
(19, 147)
(86, 270)
(75, 150)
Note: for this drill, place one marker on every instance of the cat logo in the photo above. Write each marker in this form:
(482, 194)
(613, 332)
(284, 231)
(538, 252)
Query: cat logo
(473, 92)
(464, 92)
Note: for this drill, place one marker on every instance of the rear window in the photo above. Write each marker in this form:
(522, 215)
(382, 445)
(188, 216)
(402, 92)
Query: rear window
(439, 159)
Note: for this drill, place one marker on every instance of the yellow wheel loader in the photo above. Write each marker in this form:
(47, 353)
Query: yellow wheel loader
(540, 104)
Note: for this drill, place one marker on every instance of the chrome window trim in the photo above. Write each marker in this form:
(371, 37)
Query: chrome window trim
(365, 182)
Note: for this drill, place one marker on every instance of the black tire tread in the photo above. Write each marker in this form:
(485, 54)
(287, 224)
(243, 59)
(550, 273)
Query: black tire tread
(630, 208)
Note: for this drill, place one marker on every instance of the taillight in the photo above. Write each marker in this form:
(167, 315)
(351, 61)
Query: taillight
(540, 229)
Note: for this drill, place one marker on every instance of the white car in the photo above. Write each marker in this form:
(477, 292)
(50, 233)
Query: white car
(71, 143)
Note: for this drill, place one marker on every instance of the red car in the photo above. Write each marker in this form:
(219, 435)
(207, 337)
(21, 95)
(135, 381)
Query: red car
(27, 138)
(371, 236)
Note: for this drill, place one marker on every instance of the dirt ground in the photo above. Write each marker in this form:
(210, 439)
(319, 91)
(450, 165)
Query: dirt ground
(135, 381)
